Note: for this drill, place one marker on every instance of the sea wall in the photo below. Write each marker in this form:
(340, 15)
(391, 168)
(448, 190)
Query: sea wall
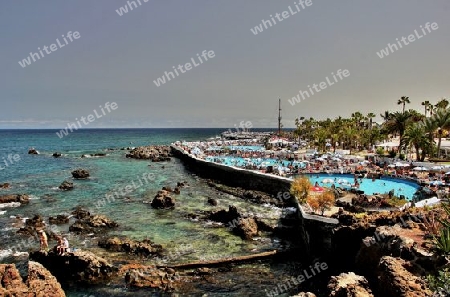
(315, 231)
(234, 176)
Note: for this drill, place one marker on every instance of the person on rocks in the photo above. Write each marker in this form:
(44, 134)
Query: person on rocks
(63, 246)
(43, 240)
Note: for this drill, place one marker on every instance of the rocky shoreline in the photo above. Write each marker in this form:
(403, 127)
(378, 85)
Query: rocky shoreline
(369, 254)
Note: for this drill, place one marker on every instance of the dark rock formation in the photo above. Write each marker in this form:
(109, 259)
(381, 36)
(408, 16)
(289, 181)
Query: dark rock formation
(66, 185)
(80, 173)
(158, 153)
(58, 220)
(40, 282)
(142, 248)
(257, 197)
(349, 285)
(395, 279)
(57, 155)
(33, 151)
(4, 186)
(79, 266)
(22, 198)
(151, 277)
(80, 213)
(87, 223)
(32, 226)
(244, 227)
(212, 201)
(163, 200)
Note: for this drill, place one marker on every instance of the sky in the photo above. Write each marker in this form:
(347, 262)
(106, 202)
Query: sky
(118, 58)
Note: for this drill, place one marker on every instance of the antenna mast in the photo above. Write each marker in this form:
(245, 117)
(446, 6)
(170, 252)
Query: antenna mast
(279, 116)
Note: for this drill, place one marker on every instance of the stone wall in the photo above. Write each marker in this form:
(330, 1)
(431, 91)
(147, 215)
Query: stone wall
(233, 176)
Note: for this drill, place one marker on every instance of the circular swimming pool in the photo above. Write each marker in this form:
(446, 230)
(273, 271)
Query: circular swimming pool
(369, 186)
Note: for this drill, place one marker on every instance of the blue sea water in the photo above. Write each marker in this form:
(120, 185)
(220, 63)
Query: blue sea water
(40, 175)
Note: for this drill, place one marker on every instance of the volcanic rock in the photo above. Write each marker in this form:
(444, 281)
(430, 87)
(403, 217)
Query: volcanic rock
(349, 285)
(33, 152)
(4, 186)
(58, 220)
(88, 223)
(395, 279)
(22, 198)
(79, 266)
(145, 248)
(154, 153)
(57, 155)
(40, 282)
(80, 173)
(163, 200)
(66, 185)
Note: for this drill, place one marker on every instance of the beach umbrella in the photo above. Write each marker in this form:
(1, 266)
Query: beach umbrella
(437, 167)
(437, 183)
(317, 189)
(420, 168)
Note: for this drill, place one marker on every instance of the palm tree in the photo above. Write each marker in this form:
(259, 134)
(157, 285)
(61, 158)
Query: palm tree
(429, 126)
(442, 121)
(370, 116)
(442, 104)
(415, 136)
(386, 115)
(397, 124)
(403, 100)
(426, 105)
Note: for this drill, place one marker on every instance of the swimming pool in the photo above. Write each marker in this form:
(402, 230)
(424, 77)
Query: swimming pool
(240, 162)
(379, 186)
(251, 148)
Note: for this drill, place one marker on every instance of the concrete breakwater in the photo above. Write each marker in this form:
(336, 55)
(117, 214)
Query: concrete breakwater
(315, 232)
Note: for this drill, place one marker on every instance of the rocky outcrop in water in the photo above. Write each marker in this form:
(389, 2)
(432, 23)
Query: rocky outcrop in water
(33, 151)
(163, 200)
(57, 155)
(142, 248)
(156, 153)
(32, 226)
(21, 198)
(245, 227)
(79, 266)
(66, 185)
(80, 174)
(40, 282)
(151, 277)
(257, 197)
(87, 223)
(349, 285)
(58, 220)
(4, 186)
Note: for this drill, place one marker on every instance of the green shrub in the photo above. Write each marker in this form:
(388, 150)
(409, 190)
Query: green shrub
(392, 154)
(440, 283)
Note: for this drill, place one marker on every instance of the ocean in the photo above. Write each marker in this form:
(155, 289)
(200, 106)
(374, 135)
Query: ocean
(40, 175)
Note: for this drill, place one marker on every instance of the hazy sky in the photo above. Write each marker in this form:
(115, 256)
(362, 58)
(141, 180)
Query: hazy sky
(117, 58)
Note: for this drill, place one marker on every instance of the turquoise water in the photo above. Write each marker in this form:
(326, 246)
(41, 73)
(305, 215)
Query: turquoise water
(240, 162)
(369, 186)
(250, 148)
(40, 176)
